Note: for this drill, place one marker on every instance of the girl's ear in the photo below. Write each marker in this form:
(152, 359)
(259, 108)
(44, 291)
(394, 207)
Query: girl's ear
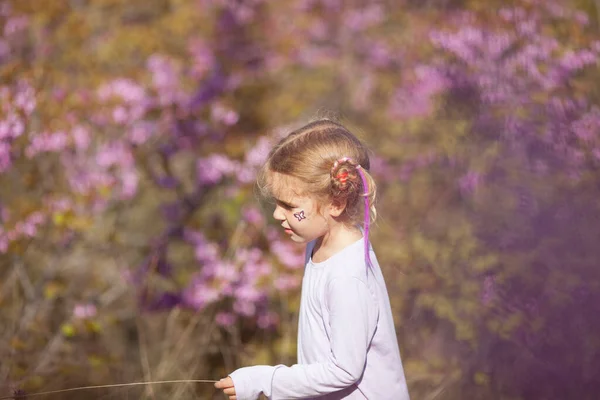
(337, 207)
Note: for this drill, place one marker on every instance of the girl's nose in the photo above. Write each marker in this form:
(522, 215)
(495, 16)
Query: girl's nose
(278, 214)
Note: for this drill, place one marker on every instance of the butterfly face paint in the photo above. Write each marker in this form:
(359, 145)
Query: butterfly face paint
(300, 215)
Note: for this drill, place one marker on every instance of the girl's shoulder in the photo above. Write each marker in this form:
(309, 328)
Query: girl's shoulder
(349, 263)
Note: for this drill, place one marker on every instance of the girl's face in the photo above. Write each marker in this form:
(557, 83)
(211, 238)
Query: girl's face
(298, 214)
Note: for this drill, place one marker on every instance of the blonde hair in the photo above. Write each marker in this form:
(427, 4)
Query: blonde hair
(326, 157)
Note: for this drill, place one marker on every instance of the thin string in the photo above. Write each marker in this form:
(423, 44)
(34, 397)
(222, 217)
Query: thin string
(367, 218)
(26, 395)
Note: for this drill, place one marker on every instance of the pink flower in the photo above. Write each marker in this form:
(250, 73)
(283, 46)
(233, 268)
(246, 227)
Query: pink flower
(244, 308)
(81, 137)
(141, 132)
(225, 319)
(489, 290)
(225, 271)
(119, 115)
(267, 320)
(224, 115)
(288, 253)
(212, 169)
(3, 241)
(253, 216)
(287, 282)
(199, 295)
(202, 57)
(469, 182)
(15, 24)
(129, 183)
(84, 311)
(46, 142)
(5, 157)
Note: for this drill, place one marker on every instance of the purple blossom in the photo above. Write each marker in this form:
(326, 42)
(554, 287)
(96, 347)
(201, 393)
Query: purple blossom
(26, 228)
(380, 166)
(129, 183)
(164, 301)
(417, 99)
(287, 282)
(205, 251)
(120, 115)
(488, 290)
(5, 9)
(140, 132)
(112, 154)
(249, 255)
(5, 157)
(198, 295)
(318, 29)
(577, 60)
(46, 142)
(15, 25)
(360, 19)
(288, 253)
(203, 58)
(244, 308)
(125, 89)
(253, 216)
(84, 311)
(253, 263)
(165, 79)
(225, 271)
(223, 115)
(225, 319)
(81, 138)
(244, 175)
(248, 293)
(214, 168)
(267, 320)
(257, 155)
(3, 241)
(469, 182)
(29, 226)
(167, 182)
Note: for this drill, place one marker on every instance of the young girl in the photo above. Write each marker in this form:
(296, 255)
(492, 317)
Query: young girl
(347, 347)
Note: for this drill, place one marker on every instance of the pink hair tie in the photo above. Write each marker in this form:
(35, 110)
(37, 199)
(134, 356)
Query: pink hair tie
(366, 196)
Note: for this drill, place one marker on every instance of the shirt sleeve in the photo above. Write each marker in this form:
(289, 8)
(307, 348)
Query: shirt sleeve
(352, 318)
(250, 382)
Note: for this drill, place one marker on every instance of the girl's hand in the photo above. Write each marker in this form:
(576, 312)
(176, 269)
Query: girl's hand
(227, 385)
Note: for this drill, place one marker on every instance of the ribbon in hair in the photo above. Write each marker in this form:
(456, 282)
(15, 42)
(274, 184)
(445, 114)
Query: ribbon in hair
(365, 196)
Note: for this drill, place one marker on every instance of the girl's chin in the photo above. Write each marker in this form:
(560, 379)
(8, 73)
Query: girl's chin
(298, 239)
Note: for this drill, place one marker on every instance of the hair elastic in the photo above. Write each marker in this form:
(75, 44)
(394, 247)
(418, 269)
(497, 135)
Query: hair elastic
(365, 185)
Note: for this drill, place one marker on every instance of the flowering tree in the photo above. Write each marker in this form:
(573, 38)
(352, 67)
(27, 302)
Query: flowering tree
(514, 123)
(84, 151)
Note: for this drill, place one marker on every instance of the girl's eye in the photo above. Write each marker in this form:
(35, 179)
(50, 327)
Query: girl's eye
(286, 206)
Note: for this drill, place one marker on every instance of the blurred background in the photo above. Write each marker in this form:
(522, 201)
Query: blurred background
(133, 245)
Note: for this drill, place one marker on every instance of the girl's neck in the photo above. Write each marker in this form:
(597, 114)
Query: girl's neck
(336, 239)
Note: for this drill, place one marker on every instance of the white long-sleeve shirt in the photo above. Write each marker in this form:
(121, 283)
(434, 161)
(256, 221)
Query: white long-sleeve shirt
(347, 346)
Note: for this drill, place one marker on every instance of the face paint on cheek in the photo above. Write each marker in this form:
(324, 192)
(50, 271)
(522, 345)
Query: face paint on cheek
(300, 215)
